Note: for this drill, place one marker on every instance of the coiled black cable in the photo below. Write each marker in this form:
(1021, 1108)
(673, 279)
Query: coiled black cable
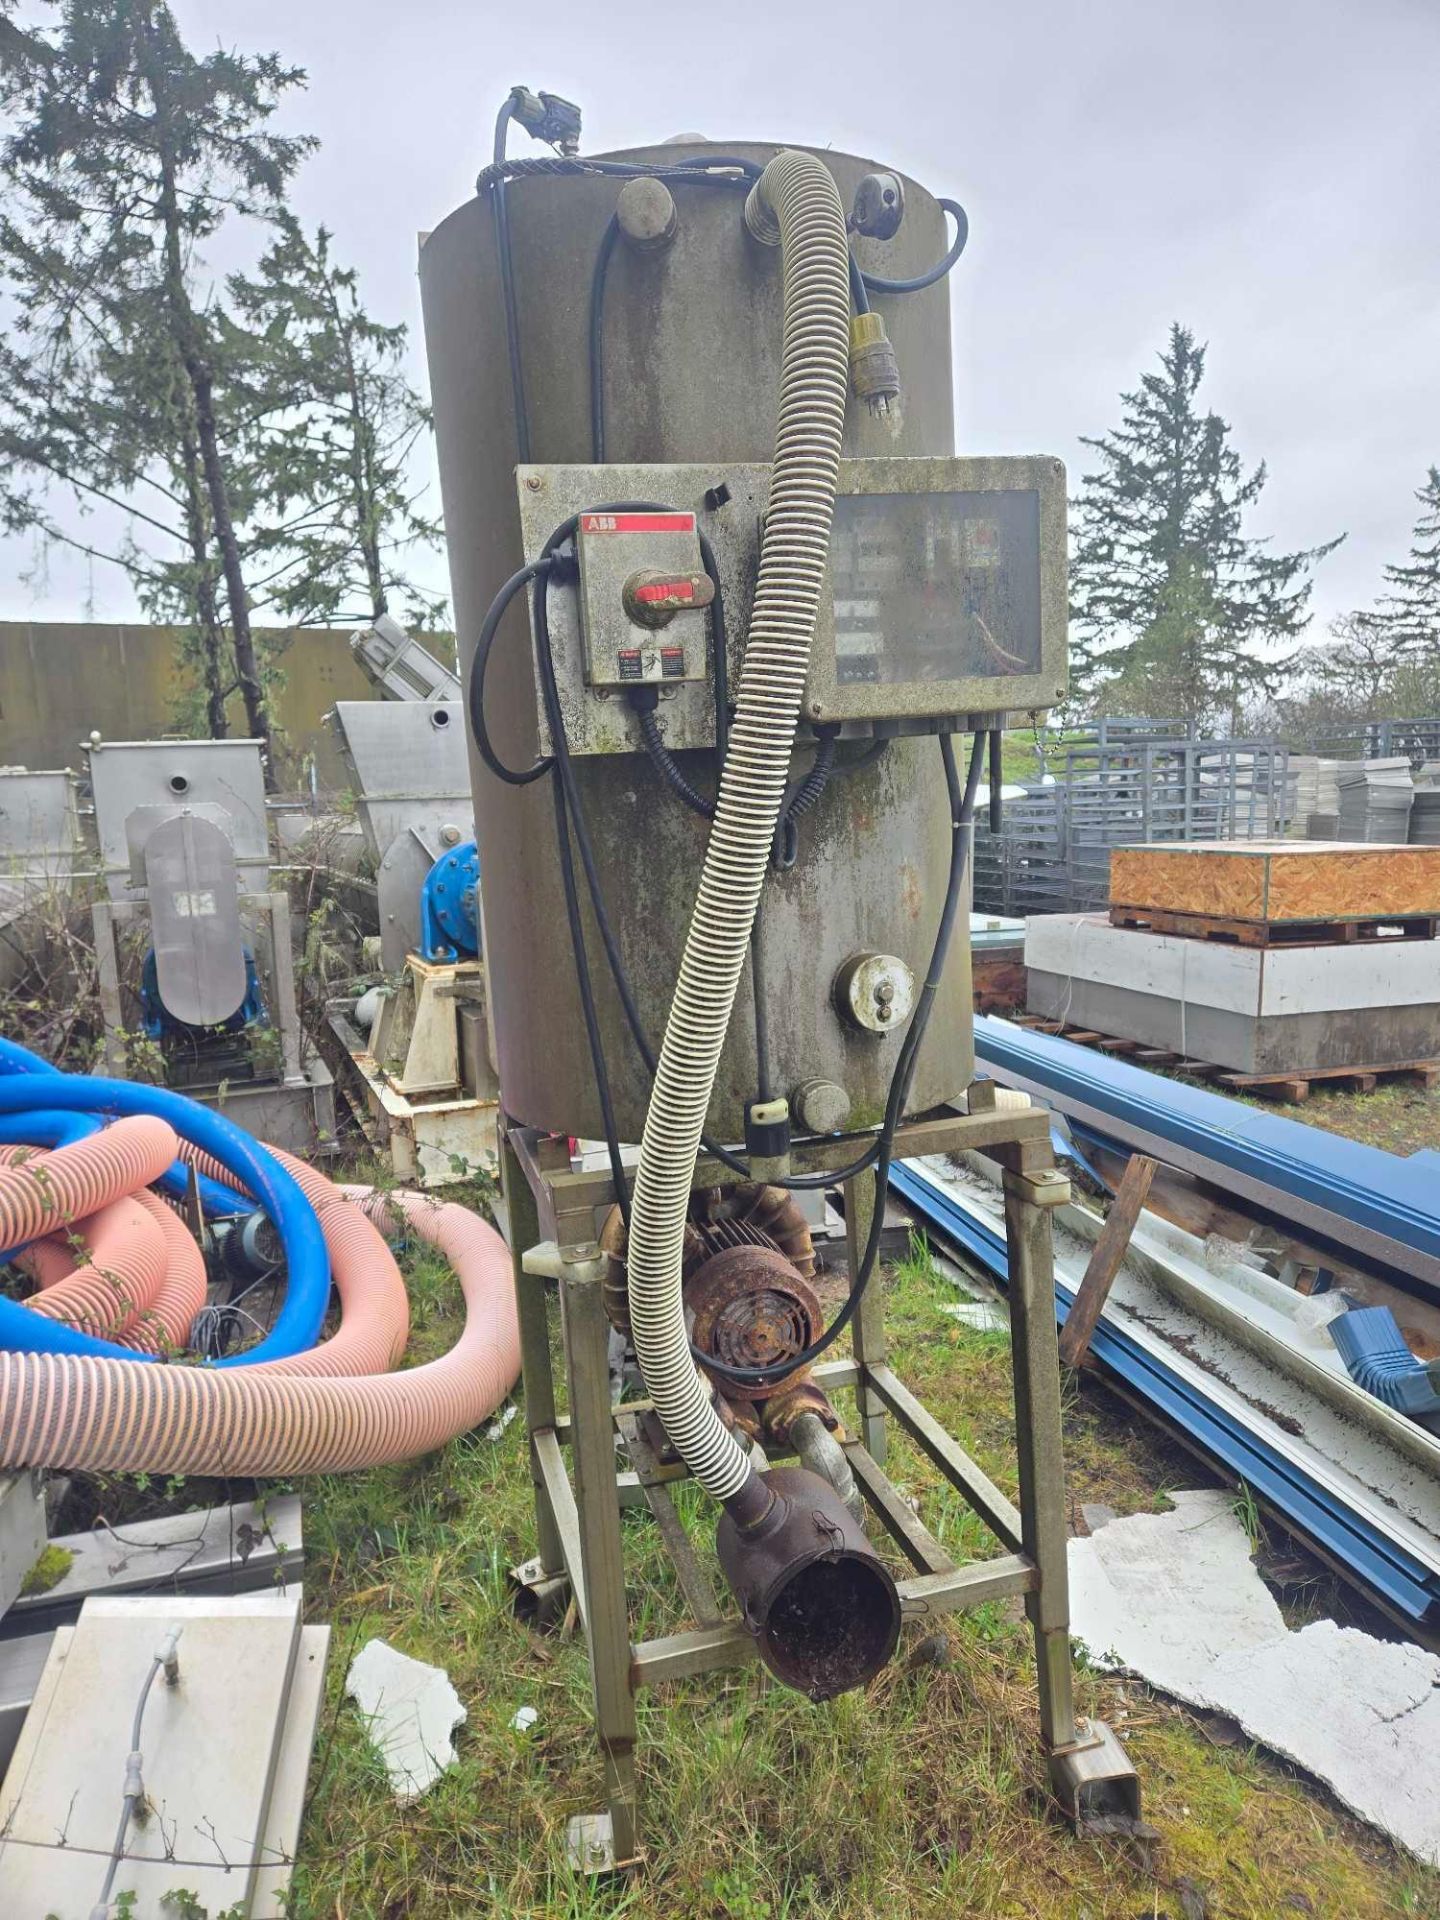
(877, 283)
(475, 689)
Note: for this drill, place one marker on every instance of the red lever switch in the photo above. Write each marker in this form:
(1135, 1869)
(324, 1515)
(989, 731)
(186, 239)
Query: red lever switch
(653, 599)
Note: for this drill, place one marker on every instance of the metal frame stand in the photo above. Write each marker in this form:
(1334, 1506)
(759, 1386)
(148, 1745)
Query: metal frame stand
(553, 1216)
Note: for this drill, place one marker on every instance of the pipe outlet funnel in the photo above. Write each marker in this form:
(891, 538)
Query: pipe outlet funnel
(811, 1587)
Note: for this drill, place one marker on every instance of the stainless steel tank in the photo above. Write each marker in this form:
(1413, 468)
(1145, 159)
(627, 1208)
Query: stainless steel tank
(692, 348)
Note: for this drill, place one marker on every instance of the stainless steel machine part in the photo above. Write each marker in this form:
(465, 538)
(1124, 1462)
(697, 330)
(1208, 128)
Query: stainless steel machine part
(163, 776)
(400, 667)
(692, 341)
(412, 792)
(39, 823)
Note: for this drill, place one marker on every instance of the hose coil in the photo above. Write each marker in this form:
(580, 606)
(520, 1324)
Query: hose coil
(814, 376)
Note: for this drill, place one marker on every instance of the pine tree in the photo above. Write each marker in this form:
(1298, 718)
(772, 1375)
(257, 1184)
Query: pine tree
(126, 155)
(335, 474)
(1175, 609)
(1409, 616)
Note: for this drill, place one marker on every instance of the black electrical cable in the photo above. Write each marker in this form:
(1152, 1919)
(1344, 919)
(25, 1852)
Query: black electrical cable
(764, 1079)
(479, 662)
(551, 693)
(565, 770)
(858, 293)
(665, 763)
(597, 339)
(725, 169)
(997, 781)
(722, 170)
(800, 797)
(962, 816)
(587, 1003)
(877, 283)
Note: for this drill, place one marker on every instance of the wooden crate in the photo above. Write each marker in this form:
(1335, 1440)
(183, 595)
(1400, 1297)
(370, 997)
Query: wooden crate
(1277, 880)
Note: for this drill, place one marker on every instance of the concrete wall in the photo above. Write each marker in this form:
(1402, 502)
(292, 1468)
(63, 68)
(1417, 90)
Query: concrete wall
(58, 682)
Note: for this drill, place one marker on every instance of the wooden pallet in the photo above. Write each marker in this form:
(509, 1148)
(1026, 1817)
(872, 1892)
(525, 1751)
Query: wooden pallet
(1290, 1088)
(1276, 933)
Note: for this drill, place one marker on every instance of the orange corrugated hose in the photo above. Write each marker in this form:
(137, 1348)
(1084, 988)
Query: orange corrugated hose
(374, 1306)
(105, 1274)
(44, 1193)
(166, 1324)
(65, 1410)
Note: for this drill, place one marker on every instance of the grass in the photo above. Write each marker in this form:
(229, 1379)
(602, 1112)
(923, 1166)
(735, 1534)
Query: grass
(924, 1796)
(1400, 1119)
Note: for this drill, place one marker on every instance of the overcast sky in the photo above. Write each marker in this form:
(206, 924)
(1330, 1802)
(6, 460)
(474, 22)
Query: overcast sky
(1263, 170)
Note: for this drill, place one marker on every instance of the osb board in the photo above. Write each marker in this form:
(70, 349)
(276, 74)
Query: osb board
(1277, 879)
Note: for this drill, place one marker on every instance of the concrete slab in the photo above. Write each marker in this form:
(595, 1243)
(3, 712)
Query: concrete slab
(412, 1709)
(211, 1745)
(235, 1549)
(292, 1773)
(22, 1530)
(1256, 1010)
(1175, 1598)
(1251, 980)
(1167, 1594)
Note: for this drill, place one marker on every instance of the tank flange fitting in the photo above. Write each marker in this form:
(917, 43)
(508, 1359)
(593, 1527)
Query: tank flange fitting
(646, 213)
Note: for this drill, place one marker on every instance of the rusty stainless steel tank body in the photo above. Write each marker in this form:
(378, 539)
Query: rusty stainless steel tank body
(691, 355)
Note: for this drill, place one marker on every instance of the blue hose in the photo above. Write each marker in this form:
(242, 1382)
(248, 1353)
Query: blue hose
(214, 1198)
(307, 1291)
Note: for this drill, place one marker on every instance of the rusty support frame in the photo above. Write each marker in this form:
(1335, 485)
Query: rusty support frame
(579, 1534)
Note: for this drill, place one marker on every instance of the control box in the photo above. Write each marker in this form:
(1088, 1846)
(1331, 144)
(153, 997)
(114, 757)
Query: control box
(945, 601)
(642, 591)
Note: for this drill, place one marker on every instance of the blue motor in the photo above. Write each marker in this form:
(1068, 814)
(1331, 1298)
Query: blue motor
(198, 1057)
(450, 906)
(159, 1021)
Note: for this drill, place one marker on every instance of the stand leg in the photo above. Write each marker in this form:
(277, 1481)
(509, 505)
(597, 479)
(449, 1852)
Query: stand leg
(592, 1432)
(867, 1329)
(1037, 1436)
(537, 1372)
(107, 966)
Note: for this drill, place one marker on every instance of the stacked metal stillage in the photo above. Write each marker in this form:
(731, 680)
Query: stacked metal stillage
(1131, 782)
(607, 461)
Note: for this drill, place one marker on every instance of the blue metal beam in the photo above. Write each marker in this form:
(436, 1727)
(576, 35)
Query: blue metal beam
(1349, 1538)
(1383, 1195)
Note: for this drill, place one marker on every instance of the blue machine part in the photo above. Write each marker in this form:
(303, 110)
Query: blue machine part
(158, 1019)
(449, 906)
(31, 1091)
(1403, 1581)
(1369, 1341)
(1394, 1199)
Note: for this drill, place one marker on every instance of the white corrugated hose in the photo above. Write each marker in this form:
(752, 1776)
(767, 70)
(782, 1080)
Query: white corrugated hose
(814, 373)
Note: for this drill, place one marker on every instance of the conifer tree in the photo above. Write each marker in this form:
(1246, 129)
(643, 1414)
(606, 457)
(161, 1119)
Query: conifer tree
(125, 155)
(339, 424)
(1176, 609)
(1409, 615)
